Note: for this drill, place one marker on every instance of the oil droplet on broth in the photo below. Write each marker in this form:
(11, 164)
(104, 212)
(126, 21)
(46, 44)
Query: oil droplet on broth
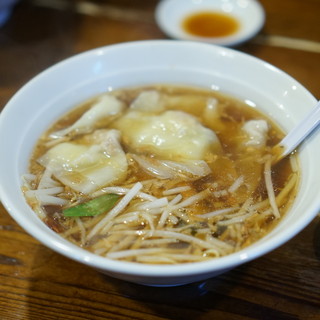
(210, 24)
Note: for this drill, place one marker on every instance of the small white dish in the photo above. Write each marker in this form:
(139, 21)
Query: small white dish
(250, 15)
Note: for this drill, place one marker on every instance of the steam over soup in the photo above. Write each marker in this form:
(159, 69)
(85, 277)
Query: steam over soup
(161, 174)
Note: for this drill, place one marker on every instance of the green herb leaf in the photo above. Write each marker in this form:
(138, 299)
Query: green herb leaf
(92, 207)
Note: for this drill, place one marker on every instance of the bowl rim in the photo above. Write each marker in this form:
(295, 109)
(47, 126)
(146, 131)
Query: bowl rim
(62, 246)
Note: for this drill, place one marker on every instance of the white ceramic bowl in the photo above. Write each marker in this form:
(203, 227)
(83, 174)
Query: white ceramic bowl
(64, 85)
(250, 14)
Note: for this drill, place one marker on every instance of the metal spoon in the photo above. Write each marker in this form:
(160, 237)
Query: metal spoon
(291, 141)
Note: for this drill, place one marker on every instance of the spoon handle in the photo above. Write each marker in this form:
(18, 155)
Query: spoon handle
(290, 142)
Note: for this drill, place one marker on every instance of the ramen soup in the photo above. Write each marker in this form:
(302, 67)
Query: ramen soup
(161, 175)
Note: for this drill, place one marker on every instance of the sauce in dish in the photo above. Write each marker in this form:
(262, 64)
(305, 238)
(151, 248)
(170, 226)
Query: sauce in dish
(161, 175)
(210, 24)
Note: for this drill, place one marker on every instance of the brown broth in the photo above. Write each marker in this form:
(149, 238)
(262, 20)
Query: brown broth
(210, 24)
(225, 167)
